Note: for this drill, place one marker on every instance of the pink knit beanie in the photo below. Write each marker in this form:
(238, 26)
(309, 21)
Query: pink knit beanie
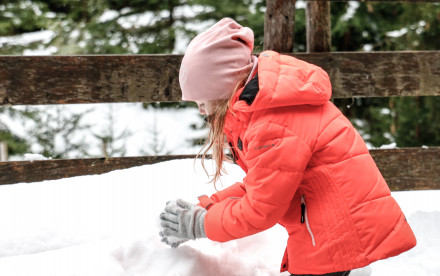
(215, 61)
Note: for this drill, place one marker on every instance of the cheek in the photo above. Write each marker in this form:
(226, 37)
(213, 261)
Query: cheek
(210, 109)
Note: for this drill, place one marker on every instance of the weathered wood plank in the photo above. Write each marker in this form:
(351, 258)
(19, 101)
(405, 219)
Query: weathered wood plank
(409, 168)
(279, 25)
(318, 26)
(382, 1)
(34, 171)
(404, 169)
(381, 74)
(89, 79)
(27, 80)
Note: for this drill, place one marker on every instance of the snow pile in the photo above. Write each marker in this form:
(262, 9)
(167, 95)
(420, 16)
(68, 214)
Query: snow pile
(34, 157)
(109, 225)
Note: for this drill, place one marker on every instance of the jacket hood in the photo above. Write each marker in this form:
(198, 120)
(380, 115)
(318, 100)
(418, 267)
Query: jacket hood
(286, 81)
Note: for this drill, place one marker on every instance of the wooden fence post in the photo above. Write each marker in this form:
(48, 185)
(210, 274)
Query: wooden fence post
(279, 25)
(318, 26)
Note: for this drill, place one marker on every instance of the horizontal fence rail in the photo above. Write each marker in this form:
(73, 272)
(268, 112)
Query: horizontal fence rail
(380, 1)
(39, 170)
(409, 168)
(404, 169)
(31, 80)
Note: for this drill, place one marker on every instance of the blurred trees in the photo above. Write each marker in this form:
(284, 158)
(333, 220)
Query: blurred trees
(117, 26)
(56, 132)
(156, 26)
(406, 121)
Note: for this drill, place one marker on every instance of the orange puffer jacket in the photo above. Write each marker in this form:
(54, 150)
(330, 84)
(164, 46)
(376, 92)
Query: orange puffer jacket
(309, 170)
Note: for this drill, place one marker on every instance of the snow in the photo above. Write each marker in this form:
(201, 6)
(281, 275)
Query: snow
(34, 157)
(131, 117)
(108, 15)
(27, 38)
(389, 146)
(40, 51)
(367, 48)
(351, 10)
(108, 225)
(397, 33)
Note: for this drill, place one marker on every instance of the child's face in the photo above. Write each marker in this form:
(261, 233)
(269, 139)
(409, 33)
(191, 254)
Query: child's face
(207, 107)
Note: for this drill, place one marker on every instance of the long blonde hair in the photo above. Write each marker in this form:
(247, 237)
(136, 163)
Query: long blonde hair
(216, 137)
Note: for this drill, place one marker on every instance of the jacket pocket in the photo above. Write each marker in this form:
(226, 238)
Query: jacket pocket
(305, 219)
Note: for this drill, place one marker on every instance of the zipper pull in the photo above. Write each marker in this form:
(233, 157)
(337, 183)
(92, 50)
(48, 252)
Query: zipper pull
(305, 219)
(303, 208)
(303, 212)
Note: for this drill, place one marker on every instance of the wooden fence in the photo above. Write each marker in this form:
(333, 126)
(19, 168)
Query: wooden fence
(26, 80)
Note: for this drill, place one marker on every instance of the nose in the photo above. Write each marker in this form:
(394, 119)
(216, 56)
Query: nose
(202, 111)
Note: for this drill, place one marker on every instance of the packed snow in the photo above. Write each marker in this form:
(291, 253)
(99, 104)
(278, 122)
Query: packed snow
(108, 225)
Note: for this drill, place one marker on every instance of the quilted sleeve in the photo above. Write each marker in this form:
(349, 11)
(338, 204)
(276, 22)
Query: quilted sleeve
(236, 190)
(276, 161)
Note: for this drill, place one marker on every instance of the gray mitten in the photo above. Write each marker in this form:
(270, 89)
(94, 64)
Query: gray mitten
(182, 220)
(174, 242)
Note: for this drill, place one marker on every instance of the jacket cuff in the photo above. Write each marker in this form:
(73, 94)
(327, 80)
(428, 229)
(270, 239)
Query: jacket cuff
(205, 201)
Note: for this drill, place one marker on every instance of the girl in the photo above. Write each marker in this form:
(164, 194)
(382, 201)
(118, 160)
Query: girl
(306, 166)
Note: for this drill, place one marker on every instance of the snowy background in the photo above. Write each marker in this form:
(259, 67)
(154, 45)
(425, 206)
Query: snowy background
(108, 225)
(170, 125)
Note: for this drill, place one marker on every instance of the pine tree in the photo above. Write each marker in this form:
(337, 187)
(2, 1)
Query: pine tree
(112, 142)
(58, 134)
